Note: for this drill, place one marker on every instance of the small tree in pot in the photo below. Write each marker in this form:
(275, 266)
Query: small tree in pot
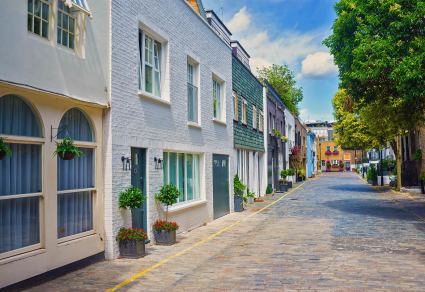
(4, 149)
(164, 231)
(290, 172)
(283, 182)
(130, 242)
(372, 176)
(238, 193)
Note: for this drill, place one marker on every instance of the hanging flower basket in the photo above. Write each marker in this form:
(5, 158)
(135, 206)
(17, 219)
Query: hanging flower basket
(66, 150)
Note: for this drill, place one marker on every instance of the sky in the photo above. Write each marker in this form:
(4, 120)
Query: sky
(288, 32)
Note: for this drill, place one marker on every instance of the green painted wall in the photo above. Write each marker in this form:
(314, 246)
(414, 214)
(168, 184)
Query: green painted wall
(247, 86)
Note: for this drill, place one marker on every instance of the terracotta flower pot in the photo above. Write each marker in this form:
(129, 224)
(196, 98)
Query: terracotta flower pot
(67, 155)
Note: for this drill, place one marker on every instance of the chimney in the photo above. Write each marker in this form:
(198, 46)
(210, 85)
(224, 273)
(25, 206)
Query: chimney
(240, 53)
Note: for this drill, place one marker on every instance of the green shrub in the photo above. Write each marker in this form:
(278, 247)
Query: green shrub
(238, 187)
(423, 176)
(283, 173)
(371, 173)
(290, 171)
(5, 148)
(269, 190)
(131, 198)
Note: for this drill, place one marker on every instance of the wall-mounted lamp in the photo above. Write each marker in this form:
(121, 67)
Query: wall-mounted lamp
(126, 162)
(158, 163)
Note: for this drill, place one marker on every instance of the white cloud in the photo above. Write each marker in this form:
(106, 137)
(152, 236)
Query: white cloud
(318, 65)
(240, 21)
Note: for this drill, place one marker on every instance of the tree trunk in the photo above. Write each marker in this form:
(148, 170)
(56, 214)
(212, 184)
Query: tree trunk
(396, 145)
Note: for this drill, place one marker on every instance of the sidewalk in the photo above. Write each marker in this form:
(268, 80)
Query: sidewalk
(107, 274)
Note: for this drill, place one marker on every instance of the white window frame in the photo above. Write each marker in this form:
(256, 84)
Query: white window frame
(185, 154)
(48, 21)
(218, 99)
(254, 117)
(261, 122)
(244, 111)
(67, 30)
(196, 83)
(10, 139)
(162, 68)
(235, 106)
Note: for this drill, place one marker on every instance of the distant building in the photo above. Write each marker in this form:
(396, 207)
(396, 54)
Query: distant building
(322, 129)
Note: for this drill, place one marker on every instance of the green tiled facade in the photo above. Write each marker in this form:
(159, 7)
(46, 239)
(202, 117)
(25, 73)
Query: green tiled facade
(245, 85)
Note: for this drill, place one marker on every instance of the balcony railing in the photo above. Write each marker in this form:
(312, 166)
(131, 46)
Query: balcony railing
(192, 103)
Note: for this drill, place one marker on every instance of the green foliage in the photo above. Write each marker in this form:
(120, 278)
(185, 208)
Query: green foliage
(168, 195)
(67, 146)
(283, 81)
(269, 190)
(328, 164)
(126, 234)
(422, 176)
(379, 47)
(301, 173)
(283, 173)
(248, 195)
(418, 155)
(371, 173)
(290, 172)
(238, 187)
(131, 198)
(5, 147)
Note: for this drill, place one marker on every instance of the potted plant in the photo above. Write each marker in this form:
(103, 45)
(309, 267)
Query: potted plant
(132, 242)
(66, 149)
(290, 172)
(301, 174)
(249, 197)
(4, 149)
(165, 232)
(372, 176)
(239, 191)
(129, 238)
(422, 182)
(269, 190)
(328, 166)
(283, 182)
(341, 166)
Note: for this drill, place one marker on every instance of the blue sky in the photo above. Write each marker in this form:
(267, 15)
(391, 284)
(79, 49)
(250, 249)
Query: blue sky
(288, 32)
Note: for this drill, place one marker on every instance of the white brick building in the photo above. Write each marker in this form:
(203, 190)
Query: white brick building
(163, 54)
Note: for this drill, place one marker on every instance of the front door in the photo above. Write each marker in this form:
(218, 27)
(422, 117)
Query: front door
(138, 179)
(220, 185)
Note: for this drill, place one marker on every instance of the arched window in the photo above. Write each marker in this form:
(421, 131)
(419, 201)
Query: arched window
(76, 182)
(20, 175)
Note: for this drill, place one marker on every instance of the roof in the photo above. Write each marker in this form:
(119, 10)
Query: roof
(219, 20)
(243, 49)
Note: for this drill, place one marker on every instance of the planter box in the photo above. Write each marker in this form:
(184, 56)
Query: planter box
(165, 237)
(238, 204)
(289, 184)
(132, 249)
(250, 200)
(283, 187)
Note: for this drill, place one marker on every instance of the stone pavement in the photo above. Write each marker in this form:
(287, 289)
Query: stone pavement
(333, 233)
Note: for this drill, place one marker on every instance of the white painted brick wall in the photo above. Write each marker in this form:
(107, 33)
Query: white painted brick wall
(139, 122)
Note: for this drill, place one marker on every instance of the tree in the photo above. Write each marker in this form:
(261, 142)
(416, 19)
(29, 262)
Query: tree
(379, 47)
(283, 81)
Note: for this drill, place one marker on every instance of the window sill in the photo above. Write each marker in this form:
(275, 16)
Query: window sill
(152, 97)
(185, 206)
(194, 125)
(220, 122)
(22, 256)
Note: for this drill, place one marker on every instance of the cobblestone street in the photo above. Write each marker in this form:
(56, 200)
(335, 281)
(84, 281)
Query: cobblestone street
(332, 233)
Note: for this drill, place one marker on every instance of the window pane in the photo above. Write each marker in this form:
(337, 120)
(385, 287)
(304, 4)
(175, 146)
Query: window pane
(148, 79)
(19, 223)
(182, 174)
(65, 21)
(173, 168)
(71, 25)
(44, 29)
(165, 168)
(37, 23)
(196, 176)
(30, 6)
(59, 36)
(75, 213)
(29, 23)
(71, 41)
(157, 90)
(189, 166)
(37, 8)
(45, 12)
(76, 173)
(21, 172)
(64, 38)
(75, 125)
